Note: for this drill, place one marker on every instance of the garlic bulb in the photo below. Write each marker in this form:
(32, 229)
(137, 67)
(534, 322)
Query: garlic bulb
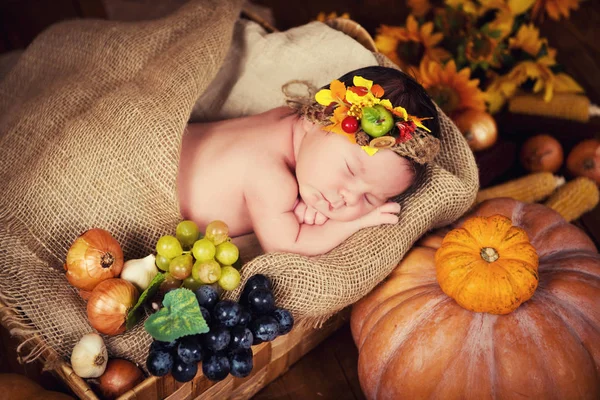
(140, 272)
(89, 356)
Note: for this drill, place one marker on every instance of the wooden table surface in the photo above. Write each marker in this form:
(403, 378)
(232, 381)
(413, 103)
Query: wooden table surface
(329, 371)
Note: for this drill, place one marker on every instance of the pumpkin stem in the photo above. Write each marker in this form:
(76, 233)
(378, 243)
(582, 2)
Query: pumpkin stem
(489, 254)
(107, 260)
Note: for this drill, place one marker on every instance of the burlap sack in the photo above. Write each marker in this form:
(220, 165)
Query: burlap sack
(91, 119)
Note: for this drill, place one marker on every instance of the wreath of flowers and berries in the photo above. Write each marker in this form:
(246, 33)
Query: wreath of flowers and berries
(361, 115)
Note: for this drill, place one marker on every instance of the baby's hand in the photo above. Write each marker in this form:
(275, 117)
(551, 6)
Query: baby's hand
(385, 214)
(308, 215)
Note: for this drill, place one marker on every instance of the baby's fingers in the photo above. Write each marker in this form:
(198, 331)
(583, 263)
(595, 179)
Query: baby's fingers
(391, 207)
(320, 219)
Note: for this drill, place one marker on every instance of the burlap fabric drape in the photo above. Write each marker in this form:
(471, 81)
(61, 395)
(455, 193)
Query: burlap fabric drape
(90, 121)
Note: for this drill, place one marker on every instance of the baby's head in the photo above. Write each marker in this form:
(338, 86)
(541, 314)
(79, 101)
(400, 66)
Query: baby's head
(337, 172)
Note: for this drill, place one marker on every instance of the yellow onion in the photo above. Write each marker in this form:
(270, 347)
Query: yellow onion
(119, 377)
(478, 127)
(94, 257)
(109, 304)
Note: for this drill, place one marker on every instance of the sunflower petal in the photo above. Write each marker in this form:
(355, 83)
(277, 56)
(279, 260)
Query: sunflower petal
(565, 84)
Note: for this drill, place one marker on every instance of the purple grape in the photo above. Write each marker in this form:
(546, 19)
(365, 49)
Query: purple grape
(205, 315)
(159, 362)
(245, 318)
(207, 296)
(216, 366)
(265, 328)
(241, 363)
(189, 350)
(183, 372)
(241, 338)
(227, 313)
(216, 339)
(285, 319)
(261, 301)
(254, 282)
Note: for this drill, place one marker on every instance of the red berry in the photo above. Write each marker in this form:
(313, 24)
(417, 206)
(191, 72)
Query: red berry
(350, 124)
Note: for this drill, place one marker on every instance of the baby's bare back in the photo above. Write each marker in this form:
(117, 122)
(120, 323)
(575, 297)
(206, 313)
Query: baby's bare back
(220, 161)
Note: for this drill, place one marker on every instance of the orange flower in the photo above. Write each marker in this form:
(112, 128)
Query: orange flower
(408, 46)
(554, 8)
(452, 90)
(419, 7)
(335, 94)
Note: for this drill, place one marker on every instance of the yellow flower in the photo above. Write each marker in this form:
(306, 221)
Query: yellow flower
(452, 90)
(554, 8)
(419, 8)
(333, 15)
(468, 6)
(481, 48)
(408, 46)
(538, 71)
(528, 40)
(506, 10)
(335, 94)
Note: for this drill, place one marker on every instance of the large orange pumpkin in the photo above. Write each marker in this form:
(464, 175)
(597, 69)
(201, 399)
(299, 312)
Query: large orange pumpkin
(416, 342)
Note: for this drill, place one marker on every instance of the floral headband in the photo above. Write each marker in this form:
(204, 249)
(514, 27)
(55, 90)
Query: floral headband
(360, 114)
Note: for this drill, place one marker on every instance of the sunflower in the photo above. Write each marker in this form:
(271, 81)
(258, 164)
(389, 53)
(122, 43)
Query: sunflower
(506, 11)
(452, 90)
(554, 8)
(482, 50)
(468, 6)
(528, 40)
(538, 72)
(419, 8)
(409, 46)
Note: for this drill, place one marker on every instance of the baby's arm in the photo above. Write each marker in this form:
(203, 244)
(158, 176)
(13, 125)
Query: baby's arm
(278, 229)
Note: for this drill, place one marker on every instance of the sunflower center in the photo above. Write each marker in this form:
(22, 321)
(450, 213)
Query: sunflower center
(410, 52)
(480, 49)
(446, 98)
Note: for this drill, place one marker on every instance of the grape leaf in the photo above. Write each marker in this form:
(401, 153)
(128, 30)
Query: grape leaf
(133, 316)
(180, 316)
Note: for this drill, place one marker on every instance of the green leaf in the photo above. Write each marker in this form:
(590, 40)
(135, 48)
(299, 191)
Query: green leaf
(370, 114)
(133, 316)
(180, 316)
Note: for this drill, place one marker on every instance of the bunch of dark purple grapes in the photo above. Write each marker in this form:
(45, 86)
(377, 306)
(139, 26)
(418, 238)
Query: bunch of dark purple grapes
(234, 328)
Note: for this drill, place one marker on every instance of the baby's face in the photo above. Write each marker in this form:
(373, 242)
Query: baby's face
(343, 182)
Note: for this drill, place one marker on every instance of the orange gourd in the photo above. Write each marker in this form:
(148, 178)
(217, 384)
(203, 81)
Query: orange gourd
(487, 265)
(416, 342)
(584, 160)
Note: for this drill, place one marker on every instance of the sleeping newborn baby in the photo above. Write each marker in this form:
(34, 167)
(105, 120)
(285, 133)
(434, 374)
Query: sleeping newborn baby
(305, 180)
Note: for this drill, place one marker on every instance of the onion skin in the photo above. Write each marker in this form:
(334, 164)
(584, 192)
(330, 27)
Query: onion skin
(93, 257)
(542, 153)
(109, 304)
(478, 127)
(584, 160)
(119, 377)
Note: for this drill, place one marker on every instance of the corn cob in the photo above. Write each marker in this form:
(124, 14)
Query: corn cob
(528, 189)
(575, 198)
(563, 105)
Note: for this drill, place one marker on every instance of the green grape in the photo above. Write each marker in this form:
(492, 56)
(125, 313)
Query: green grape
(170, 283)
(162, 262)
(191, 283)
(227, 253)
(230, 278)
(203, 250)
(181, 266)
(208, 271)
(187, 233)
(169, 246)
(217, 232)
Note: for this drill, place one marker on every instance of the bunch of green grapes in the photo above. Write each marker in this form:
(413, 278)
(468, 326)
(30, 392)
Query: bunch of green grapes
(193, 260)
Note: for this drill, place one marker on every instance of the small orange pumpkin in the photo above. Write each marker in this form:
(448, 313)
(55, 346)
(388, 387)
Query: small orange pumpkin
(487, 265)
(584, 160)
